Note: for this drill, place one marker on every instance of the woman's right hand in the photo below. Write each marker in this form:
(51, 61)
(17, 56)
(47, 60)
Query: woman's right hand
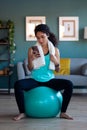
(31, 56)
(34, 54)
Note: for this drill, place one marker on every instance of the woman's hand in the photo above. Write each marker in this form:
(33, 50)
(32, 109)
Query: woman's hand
(57, 68)
(35, 53)
(32, 54)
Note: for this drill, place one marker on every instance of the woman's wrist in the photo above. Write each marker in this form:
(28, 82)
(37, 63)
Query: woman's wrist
(57, 65)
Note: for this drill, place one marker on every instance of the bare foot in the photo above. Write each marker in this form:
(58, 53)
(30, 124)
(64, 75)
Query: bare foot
(19, 117)
(65, 116)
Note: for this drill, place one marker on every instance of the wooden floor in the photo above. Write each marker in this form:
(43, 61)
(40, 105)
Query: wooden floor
(77, 108)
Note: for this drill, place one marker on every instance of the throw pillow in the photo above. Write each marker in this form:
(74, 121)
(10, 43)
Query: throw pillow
(84, 69)
(64, 67)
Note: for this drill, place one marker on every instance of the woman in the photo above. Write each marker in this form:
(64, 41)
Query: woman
(43, 76)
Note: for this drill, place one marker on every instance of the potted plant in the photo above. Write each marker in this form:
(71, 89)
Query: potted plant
(10, 25)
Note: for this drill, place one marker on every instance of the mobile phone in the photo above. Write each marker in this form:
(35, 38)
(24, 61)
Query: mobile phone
(35, 49)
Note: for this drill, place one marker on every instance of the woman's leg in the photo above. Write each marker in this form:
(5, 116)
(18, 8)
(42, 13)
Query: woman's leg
(67, 87)
(19, 87)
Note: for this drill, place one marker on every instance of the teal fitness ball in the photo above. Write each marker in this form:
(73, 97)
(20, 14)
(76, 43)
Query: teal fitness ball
(42, 102)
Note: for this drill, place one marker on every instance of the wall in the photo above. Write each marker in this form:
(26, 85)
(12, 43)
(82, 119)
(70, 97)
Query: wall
(18, 10)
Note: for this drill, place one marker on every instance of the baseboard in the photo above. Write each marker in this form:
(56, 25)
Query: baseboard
(6, 91)
(12, 90)
(84, 90)
(74, 91)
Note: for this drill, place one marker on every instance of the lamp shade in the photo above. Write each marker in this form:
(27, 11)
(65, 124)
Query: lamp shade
(85, 33)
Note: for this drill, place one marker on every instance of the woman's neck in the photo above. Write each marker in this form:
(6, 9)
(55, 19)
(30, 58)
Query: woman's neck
(45, 49)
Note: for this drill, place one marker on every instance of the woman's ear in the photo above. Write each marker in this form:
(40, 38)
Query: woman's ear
(48, 35)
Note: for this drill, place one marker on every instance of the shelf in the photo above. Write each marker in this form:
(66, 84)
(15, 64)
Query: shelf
(1, 60)
(9, 73)
(4, 27)
(4, 43)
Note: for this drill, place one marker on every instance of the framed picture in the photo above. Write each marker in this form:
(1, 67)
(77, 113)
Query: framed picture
(68, 28)
(31, 22)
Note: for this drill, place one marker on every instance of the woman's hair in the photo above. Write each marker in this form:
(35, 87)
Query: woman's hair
(45, 29)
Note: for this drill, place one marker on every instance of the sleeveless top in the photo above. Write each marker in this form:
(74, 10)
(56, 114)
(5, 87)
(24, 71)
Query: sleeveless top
(43, 74)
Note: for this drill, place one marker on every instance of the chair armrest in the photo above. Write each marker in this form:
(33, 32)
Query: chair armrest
(20, 71)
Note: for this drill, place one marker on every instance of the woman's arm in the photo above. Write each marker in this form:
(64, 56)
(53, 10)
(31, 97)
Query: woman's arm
(56, 59)
(33, 53)
(57, 66)
(30, 58)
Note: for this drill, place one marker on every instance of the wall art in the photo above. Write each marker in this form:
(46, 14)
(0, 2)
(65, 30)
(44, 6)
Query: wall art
(68, 28)
(31, 22)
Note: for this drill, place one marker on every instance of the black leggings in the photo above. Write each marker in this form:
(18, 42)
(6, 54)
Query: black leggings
(56, 84)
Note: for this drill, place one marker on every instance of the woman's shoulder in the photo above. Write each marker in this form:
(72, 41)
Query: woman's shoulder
(56, 49)
(57, 52)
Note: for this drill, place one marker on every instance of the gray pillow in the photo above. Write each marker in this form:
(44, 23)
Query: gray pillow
(27, 72)
(84, 69)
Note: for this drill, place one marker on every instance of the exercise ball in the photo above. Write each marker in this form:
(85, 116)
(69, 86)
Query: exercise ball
(42, 102)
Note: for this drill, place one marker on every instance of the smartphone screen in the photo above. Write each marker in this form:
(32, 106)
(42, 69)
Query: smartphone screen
(35, 49)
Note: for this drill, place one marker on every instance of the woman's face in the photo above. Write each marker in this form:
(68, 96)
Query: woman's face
(42, 38)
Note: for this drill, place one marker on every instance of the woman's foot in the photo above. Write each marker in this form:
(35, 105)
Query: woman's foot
(19, 117)
(65, 116)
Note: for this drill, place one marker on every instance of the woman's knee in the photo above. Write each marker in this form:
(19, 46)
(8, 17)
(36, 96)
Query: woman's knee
(69, 86)
(17, 85)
